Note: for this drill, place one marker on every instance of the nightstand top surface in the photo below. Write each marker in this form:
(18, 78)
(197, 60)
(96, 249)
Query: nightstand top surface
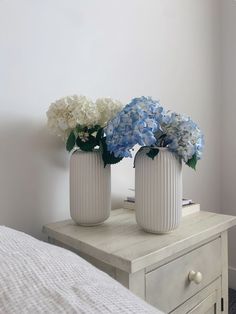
(120, 242)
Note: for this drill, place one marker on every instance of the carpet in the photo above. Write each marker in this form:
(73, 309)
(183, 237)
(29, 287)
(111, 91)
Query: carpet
(232, 301)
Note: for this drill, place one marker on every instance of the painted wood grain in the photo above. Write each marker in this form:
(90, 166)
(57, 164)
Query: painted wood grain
(156, 267)
(122, 244)
(207, 301)
(171, 280)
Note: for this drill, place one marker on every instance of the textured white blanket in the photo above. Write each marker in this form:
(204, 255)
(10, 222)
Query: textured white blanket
(36, 277)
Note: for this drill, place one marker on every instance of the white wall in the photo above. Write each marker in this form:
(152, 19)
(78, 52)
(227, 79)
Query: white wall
(50, 48)
(228, 125)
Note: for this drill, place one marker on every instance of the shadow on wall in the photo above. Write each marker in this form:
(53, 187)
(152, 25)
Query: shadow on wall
(33, 176)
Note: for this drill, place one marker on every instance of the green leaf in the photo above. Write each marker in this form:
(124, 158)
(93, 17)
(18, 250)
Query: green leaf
(100, 134)
(70, 143)
(108, 158)
(153, 152)
(89, 145)
(192, 162)
(94, 129)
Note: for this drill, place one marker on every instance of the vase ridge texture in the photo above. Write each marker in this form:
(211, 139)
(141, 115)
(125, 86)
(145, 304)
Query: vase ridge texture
(158, 191)
(90, 188)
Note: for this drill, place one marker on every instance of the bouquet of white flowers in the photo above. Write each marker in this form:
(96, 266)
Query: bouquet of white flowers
(80, 122)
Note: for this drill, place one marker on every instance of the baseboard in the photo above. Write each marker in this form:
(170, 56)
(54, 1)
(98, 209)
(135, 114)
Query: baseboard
(232, 277)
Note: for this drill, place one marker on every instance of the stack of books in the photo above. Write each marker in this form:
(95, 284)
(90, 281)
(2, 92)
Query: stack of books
(188, 206)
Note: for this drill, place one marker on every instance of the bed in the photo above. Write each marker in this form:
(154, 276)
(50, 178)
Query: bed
(37, 277)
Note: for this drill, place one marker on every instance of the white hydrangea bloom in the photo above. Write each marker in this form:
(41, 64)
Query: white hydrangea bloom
(58, 118)
(68, 112)
(83, 111)
(64, 114)
(107, 109)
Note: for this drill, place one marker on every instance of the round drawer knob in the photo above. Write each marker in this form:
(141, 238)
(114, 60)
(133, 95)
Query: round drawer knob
(195, 276)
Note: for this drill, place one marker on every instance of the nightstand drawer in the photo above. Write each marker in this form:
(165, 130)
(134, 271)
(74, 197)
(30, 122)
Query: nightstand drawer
(170, 285)
(207, 301)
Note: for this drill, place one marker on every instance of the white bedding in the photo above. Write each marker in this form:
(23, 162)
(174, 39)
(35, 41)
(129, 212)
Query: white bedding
(36, 277)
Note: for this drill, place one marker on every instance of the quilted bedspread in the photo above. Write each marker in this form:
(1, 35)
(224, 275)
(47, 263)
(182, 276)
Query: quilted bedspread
(37, 277)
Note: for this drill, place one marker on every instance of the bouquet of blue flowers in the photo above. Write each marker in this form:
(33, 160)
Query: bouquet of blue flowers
(146, 123)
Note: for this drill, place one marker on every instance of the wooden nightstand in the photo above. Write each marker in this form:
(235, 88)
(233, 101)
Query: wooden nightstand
(185, 271)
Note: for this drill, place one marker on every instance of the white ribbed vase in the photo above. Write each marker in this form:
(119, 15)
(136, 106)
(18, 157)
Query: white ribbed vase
(90, 188)
(158, 191)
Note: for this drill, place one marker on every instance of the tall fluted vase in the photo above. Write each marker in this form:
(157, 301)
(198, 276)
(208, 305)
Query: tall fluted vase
(158, 191)
(90, 188)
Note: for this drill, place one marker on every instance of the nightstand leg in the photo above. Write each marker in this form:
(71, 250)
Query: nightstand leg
(224, 279)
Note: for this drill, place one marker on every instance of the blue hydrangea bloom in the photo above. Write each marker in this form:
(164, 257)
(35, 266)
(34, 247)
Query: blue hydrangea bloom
(144, 121)
(135, 124)
(182, 136)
